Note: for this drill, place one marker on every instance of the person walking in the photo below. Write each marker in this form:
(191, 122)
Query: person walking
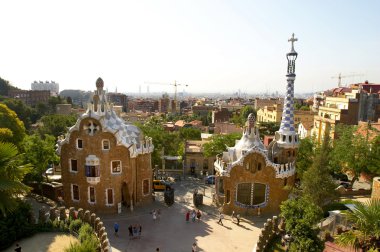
(154, 214)
(199, 215)
(116, 228)
(221, 218)
(187, 216)
(238, 219)
(193, 214)
(233, 215)
(140, 231)
(18, 248)
(130, 229)
(194, 247)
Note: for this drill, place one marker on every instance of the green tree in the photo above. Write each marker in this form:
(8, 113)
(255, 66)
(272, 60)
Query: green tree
(366, 219)
(301, 215)
(25, 113)
(12, 172)
(190, 134)
(241, 118)
(373, 166)
(219, 143)
(351, 152)
(56, 125)
(305, 155)
(40, 152)
(268, 128)
(168, 142)
(9, 120)
(317, 182)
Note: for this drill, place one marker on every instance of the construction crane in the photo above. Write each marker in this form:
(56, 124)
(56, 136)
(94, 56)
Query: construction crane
(339, 77)
(175, 84)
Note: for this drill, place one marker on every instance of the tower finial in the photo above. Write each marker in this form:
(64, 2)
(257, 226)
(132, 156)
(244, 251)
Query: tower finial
(292, 40)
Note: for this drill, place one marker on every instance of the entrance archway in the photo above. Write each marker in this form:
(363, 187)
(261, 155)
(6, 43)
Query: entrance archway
(125, 198)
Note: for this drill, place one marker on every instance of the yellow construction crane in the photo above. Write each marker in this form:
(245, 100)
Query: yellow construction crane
(175, 84)
(339, 77)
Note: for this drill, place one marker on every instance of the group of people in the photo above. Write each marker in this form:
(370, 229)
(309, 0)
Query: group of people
(134, 230)
(194, 214)
(221, 217)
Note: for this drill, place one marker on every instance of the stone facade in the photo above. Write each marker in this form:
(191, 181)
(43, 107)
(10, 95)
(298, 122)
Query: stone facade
(275, 186)
(105, 161)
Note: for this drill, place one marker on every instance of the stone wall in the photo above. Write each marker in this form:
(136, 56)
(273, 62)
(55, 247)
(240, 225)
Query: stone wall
(270, 229)
(86, 216)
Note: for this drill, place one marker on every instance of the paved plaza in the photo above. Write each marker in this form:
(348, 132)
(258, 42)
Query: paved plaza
(170, 232)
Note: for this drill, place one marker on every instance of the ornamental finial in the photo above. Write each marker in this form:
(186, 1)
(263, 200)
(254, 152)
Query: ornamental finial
(292, 39)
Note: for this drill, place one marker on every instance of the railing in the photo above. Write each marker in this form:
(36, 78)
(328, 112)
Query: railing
(93, 180)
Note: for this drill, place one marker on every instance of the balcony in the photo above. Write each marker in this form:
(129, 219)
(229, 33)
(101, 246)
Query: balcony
(93, 180)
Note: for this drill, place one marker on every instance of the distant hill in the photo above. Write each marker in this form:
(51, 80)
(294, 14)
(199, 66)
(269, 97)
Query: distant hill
(5, 86)
(78, 97)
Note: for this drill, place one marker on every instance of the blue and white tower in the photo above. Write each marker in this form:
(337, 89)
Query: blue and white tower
(286, 136)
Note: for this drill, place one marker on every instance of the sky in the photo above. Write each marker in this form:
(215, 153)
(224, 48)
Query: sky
(209, 45)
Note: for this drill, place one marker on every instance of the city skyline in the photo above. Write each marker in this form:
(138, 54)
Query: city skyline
(212, 46)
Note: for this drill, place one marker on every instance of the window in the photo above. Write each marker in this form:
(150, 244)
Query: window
(105, 145)
(146, 186)
(91, 194)
(75, 192)
(79, 143)
(251, 194)
(109, 196)
(73, 165)
(259, 166)
(116, 166)
(92, 171)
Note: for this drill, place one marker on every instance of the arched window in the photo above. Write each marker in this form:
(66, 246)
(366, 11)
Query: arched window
(251, 194)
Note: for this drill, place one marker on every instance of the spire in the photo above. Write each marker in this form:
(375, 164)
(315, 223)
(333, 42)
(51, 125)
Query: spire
(287, 136)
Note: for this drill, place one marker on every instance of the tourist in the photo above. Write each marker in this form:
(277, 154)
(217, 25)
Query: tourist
(221, 218)
(154, 214)
(238, 219)
(193, 214)
(233, 215)
(194, 247)
(199, 215)
(140, 231)
(130, 231)
(187, 216)
(116, 228)
(18, 248)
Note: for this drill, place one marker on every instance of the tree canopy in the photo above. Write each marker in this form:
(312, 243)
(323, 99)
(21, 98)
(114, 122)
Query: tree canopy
(240, 118)
(56, 125)
(40, 152)
(219, 143)
(9, 120)
(301, 215)
(354, 153)
(12, 172)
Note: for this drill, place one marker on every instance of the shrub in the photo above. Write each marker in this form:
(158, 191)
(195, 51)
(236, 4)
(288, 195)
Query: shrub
(87, 238)
(16, 225)
(333, 206)
(75, 226)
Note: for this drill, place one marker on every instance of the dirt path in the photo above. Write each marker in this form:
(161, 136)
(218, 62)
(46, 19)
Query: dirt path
(45, 242)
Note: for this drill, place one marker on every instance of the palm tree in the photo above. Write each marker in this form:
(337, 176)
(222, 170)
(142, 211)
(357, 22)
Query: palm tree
(366, 232)
(12, 172)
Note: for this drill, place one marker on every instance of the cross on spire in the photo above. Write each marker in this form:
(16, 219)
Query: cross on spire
(292, 39)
